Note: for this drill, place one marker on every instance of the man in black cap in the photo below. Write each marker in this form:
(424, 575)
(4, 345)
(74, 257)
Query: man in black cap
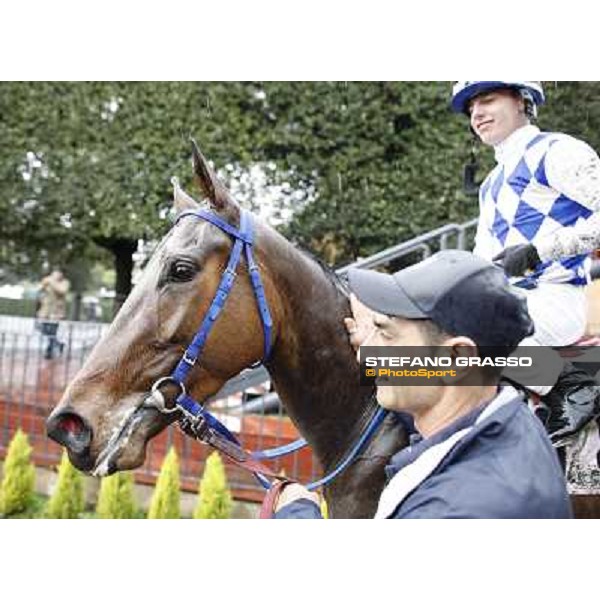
(478, 451)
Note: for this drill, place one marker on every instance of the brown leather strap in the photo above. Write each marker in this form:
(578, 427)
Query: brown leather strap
(242, 458)
(267, 508)
(235, 453)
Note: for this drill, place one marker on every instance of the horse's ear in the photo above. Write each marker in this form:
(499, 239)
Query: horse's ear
(181, 200)
(212, 188)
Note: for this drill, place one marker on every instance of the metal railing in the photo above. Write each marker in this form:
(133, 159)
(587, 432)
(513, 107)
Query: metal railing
(443, 238)
(27, 307)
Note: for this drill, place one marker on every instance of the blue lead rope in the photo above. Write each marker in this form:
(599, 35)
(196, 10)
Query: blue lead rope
(221, 430)
(191, 407)
(272, 453)
(376, 421)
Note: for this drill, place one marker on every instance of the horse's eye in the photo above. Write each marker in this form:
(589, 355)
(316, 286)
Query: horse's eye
(181, 271)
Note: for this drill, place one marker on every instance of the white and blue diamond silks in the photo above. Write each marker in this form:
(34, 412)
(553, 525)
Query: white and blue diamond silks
(545, 190)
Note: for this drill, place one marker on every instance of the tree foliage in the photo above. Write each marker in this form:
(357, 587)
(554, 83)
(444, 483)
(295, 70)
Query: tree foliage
(116, 498)
(67, 500)
(165, 499)
(361, 165)
(385, 159)
(215, 501)
(18, 479)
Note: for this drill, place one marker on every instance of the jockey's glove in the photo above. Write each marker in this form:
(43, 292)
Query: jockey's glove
(517, 260)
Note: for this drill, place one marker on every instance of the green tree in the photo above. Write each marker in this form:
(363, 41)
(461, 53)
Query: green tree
(165, 499)
(116, 497)
(380, 162)
(18, 480)
(355, 156)
(67, 500)
(359, 165)
(90, 162)
(375, 163)
(215, 501)
(573, 107)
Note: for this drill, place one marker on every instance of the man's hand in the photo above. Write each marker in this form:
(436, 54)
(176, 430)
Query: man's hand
(516, 260)
(295, 491)
(361, 325)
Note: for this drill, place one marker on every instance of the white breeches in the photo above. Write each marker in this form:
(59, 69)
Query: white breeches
(559, 313)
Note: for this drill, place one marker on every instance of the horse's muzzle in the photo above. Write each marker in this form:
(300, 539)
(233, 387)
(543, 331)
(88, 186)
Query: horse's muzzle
(73, 432)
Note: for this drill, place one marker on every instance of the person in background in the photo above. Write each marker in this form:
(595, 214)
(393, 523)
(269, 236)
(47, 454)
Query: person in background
(52, 309)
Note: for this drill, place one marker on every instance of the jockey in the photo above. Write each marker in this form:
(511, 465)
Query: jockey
(540, 219)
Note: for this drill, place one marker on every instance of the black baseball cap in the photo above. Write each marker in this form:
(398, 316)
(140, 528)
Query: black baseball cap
(460, 292)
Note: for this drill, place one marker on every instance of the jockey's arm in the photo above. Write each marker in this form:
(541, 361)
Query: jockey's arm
(483, 240)
(573, 169)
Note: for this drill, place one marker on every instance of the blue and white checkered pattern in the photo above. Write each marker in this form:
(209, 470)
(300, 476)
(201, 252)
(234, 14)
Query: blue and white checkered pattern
(518, 206)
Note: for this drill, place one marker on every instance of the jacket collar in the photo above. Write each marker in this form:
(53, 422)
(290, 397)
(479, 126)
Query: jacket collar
(515, 143)
(418, 444)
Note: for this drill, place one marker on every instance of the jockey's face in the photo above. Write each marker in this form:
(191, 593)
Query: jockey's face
(495, 115)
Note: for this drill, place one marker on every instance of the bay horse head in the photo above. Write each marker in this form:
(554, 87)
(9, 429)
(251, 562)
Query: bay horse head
(108, 413)
(103, 418)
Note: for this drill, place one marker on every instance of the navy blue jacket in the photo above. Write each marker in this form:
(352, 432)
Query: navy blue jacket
(505, 467)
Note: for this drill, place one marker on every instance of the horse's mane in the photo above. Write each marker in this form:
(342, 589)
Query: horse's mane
(336, 281)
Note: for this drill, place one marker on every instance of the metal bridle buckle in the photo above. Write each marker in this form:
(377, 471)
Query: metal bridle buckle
(156, 398)
(196, 426)
(190, 360)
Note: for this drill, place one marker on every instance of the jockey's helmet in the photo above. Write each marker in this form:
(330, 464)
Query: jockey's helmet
(532, 93)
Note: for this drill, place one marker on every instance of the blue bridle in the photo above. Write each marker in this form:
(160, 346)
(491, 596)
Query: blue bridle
(244, 238)
(196, 420)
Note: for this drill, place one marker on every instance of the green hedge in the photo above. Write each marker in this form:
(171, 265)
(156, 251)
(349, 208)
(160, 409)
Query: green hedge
(67, 501)
(116, 499)
(165, 499)
(18, 480)
(215, 501)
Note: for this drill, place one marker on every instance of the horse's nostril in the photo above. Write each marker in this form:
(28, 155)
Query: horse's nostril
(71, 424)
(70, 430)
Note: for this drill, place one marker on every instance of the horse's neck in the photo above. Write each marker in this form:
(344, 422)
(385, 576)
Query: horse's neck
(313, 366)
(317, 378)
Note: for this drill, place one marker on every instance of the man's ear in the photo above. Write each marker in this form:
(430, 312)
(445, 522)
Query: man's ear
(461, 347)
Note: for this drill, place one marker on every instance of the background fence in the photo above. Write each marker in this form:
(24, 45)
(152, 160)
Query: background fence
(26, 307)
